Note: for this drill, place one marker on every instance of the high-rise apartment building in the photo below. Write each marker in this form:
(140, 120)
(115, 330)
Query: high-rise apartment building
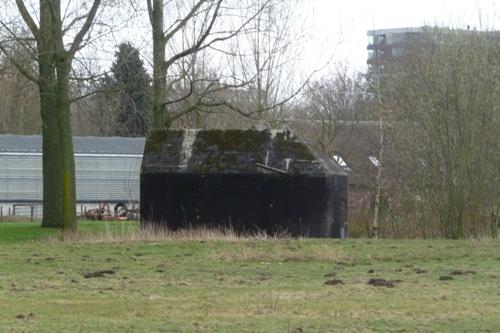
(389, 45)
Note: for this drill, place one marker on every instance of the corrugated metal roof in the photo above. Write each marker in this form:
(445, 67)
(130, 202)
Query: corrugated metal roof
(82, 144)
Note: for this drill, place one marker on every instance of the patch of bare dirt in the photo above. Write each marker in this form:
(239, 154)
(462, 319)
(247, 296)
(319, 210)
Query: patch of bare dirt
(334, 282)
(445, 278)
(25, 317)
(379, 282)
(460, 272)
(101, 273)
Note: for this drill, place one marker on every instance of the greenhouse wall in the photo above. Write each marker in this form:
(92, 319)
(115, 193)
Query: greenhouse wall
(107, 169)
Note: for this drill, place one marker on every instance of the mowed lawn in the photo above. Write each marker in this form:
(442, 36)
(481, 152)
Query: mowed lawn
(247, 285)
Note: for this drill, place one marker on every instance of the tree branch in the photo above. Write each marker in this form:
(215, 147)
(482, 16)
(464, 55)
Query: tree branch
(150, 11)
(75, 46)
(186, 19)
(27, 18)
(198, 44)
(73, 22)
(190, 92)
(20, 68)
(98, 91)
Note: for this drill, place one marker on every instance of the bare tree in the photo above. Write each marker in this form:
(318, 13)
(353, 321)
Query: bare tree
(381, 110)
(251, 39)
(337, 98)
(97, 113)
(57, 42)
(446, 101)
(208, 12)
(20, 102)
(265, 55)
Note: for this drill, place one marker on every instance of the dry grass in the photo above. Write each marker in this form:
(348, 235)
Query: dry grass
(285, 251)
(155, 234)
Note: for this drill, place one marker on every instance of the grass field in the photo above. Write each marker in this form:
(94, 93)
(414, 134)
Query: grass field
(15, 232)
(247, 285)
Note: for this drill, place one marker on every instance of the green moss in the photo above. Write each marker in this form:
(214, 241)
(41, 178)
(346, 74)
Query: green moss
(228, 150)
(232, 140)
(224, 151)
(284, 147)
(157, 138)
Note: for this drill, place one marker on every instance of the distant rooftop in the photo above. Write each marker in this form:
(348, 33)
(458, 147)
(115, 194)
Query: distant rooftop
(82, 144)
(394, 30)
(404, 30)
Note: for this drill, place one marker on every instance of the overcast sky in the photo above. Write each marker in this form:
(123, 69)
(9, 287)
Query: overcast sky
(340, 26)
(336, 30)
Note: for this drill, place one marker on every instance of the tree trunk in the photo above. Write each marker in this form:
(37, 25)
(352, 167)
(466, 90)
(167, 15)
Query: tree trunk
(378, 184)
(159, 66)
(54, 63)
(67, 159)
(59, 198)
(51, 157)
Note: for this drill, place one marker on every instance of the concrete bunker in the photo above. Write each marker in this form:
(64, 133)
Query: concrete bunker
(267, 180)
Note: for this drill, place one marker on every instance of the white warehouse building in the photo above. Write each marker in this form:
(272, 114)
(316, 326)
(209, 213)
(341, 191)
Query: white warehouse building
(107, 170)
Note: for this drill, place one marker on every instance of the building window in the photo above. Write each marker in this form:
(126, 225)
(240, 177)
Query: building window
(379, 39)
(374, 161)
(341, 162)
(372, 54)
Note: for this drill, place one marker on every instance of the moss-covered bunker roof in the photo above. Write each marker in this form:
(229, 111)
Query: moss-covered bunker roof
(231, 151)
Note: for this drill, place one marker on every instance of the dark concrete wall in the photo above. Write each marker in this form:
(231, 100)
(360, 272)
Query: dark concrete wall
(315, 206)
